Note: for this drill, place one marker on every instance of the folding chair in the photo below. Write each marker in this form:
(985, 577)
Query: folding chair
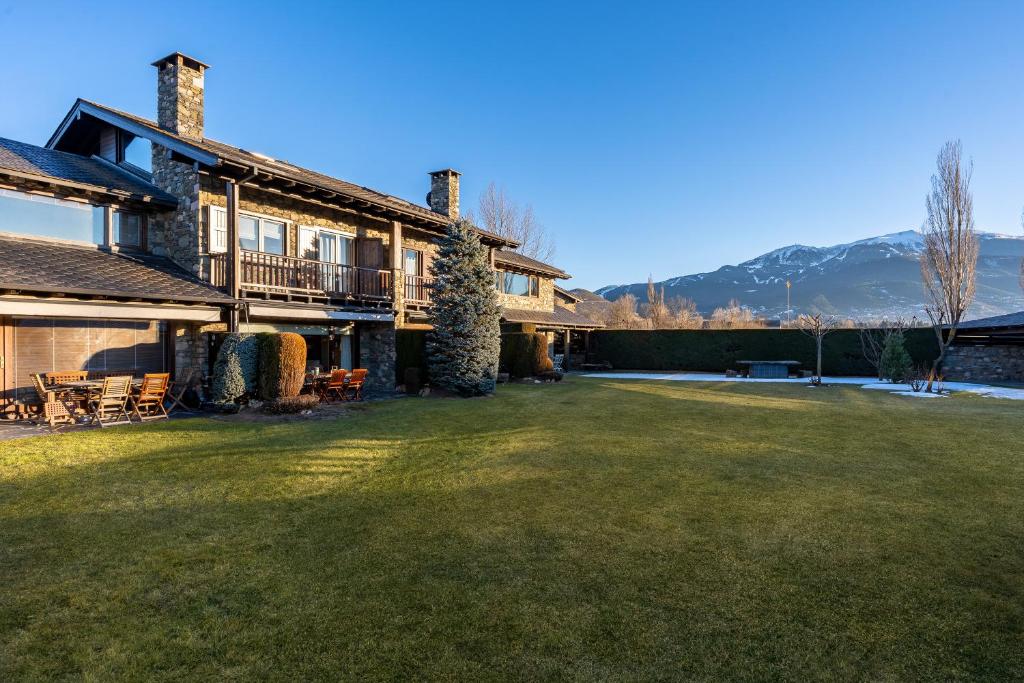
(111, 403)
(149, 404)
(355, 385)
(57, 411)
(335, 385)
(176, 394)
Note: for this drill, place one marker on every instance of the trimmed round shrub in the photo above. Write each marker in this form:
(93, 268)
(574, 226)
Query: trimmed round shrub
(234, 371)
(282, 364)
(291, 404)
(525, 354)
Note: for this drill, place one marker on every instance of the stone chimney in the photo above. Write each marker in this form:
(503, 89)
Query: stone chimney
(179, 93)
(444, 192)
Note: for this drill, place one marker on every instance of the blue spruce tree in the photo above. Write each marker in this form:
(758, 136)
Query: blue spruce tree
(462, 349)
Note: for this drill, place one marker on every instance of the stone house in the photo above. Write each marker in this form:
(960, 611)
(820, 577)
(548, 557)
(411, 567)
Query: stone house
(987, 350)
(190, 238)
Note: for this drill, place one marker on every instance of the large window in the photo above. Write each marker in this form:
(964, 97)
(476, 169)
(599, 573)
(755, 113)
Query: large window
(136, 151)
(37, 216)
(254, 232)
(318, 244)
(517, 284)
(413, 261)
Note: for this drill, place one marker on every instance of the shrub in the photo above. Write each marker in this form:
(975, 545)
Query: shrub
(234, 371)
(462, 347)
(288, 405)
(895, 363)
(525, 354)
(412, 380)
(282, 364)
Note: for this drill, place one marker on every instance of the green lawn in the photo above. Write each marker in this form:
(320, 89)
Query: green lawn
(591, 530)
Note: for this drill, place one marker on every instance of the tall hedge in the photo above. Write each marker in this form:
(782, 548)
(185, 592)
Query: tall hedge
(525, 354)
(234, 371)
(282, 364)
(718, 350)
(410, 352)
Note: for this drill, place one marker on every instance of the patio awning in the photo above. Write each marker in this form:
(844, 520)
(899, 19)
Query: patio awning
(70, 308)
(317, 314)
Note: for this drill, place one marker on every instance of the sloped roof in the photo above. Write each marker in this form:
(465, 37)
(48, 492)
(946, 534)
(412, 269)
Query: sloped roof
(587, 295)
(1008, 320)
(517, 260)
(560, 317)
(237, 155)
(38, 265)
(567, 294)
(28, 160)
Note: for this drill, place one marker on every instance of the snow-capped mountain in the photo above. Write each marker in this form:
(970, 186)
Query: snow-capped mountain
(866, 279)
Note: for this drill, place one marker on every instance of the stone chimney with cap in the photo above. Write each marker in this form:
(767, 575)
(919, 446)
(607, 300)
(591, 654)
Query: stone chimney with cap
(179, 93)
(444, 192)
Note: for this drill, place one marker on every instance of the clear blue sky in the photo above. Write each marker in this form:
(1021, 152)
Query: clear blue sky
(650, 139)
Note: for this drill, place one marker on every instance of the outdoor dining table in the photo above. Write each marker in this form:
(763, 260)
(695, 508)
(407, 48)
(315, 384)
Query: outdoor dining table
(86, 384)
(768, 369)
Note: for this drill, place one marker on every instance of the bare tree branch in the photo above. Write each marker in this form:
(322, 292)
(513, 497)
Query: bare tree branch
(502, 216)
(950, 254)
(817, 326)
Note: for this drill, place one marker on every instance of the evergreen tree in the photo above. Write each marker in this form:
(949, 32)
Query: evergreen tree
(895, 363)
(463, 347)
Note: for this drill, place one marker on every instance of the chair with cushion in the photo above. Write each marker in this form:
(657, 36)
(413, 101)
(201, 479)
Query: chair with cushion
(110, 406)
(354, 387)
(335, 385)
(149, 403)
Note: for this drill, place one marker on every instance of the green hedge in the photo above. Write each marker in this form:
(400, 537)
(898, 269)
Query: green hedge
(525, 354)
(410, 352)
(718, 350)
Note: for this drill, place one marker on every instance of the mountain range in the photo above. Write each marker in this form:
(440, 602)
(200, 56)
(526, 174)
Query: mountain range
(864, 280)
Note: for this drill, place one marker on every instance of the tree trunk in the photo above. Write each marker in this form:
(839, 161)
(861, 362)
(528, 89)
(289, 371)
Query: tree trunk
(819, 360)
(937, 363)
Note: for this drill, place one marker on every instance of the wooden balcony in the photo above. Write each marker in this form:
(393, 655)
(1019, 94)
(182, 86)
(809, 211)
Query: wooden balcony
(418, 291)
(270, 276)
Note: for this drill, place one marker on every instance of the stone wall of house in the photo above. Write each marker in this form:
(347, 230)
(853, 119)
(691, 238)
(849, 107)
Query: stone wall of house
(544, 302)
(984, 363)
(180, 95)
(192, 349)
(377, 354)
(175, 234)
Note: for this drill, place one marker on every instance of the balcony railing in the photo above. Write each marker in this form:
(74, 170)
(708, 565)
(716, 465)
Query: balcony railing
(418, 289)
(271, 274)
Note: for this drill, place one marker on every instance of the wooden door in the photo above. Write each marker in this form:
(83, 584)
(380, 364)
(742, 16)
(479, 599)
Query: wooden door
(370, 255)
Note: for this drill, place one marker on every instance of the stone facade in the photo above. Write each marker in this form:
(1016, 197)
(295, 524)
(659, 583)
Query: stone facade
(174, 233)
(191, 348)
(444, 192)
(984, 363)
(377, 353)
(180, 95)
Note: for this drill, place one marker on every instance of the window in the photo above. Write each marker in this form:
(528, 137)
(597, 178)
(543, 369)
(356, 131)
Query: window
(249, 232)
(136, 151)
(326, 245)
(254, 233)
(517, 284)
(127, 229)
(413, 259)
(272, 233)
(38, 216)
(218, 229)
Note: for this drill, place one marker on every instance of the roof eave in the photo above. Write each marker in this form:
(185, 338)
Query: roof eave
(88, 188)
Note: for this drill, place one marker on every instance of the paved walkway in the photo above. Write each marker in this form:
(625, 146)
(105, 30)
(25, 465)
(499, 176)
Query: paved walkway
(864, 382)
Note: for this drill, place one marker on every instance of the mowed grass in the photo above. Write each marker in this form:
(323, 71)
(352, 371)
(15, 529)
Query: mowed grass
(593, 530)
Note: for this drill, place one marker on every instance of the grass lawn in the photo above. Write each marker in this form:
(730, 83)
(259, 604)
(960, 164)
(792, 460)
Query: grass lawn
(596, 529)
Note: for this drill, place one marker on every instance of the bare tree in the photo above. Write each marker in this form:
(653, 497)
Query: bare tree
(950, 252)
(874, 339)
(622, 314)
(683, 314)
(503, 216)
(734, 316)
(655, 309)
(817, 326)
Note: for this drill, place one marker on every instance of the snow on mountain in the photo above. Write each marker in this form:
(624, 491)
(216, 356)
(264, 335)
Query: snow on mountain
(867, 278)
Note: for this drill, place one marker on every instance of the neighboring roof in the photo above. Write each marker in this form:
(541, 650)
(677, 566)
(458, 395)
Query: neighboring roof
(567, 294)
(560, 317)
(38, 265)
(210, 152)
(517, 260)
(64, 168)
(1008, 320)
(587, 295)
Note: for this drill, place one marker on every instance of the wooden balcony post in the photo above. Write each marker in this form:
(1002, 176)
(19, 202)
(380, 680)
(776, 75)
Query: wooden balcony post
(397, 270)
(234, 267)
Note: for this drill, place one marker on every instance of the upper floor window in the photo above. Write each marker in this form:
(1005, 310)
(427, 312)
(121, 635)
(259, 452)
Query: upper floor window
(127, 229)
(517, 284)
(413, 260)
(255, 233)
(319, 244)
(39, 216)
(136, 151)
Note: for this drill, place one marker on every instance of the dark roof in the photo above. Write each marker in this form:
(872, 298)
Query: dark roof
(587, 295)
(517, 260)
(65, 168)
(560, 317)
(284, 169)
(1008, 320)
(38, 265)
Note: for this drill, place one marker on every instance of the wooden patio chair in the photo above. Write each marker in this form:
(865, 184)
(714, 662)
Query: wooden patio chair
(176, 391)
(66, 376)
(57, 410)
(149, 403)
(335, 385)
(111, 404)
(354, 388)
